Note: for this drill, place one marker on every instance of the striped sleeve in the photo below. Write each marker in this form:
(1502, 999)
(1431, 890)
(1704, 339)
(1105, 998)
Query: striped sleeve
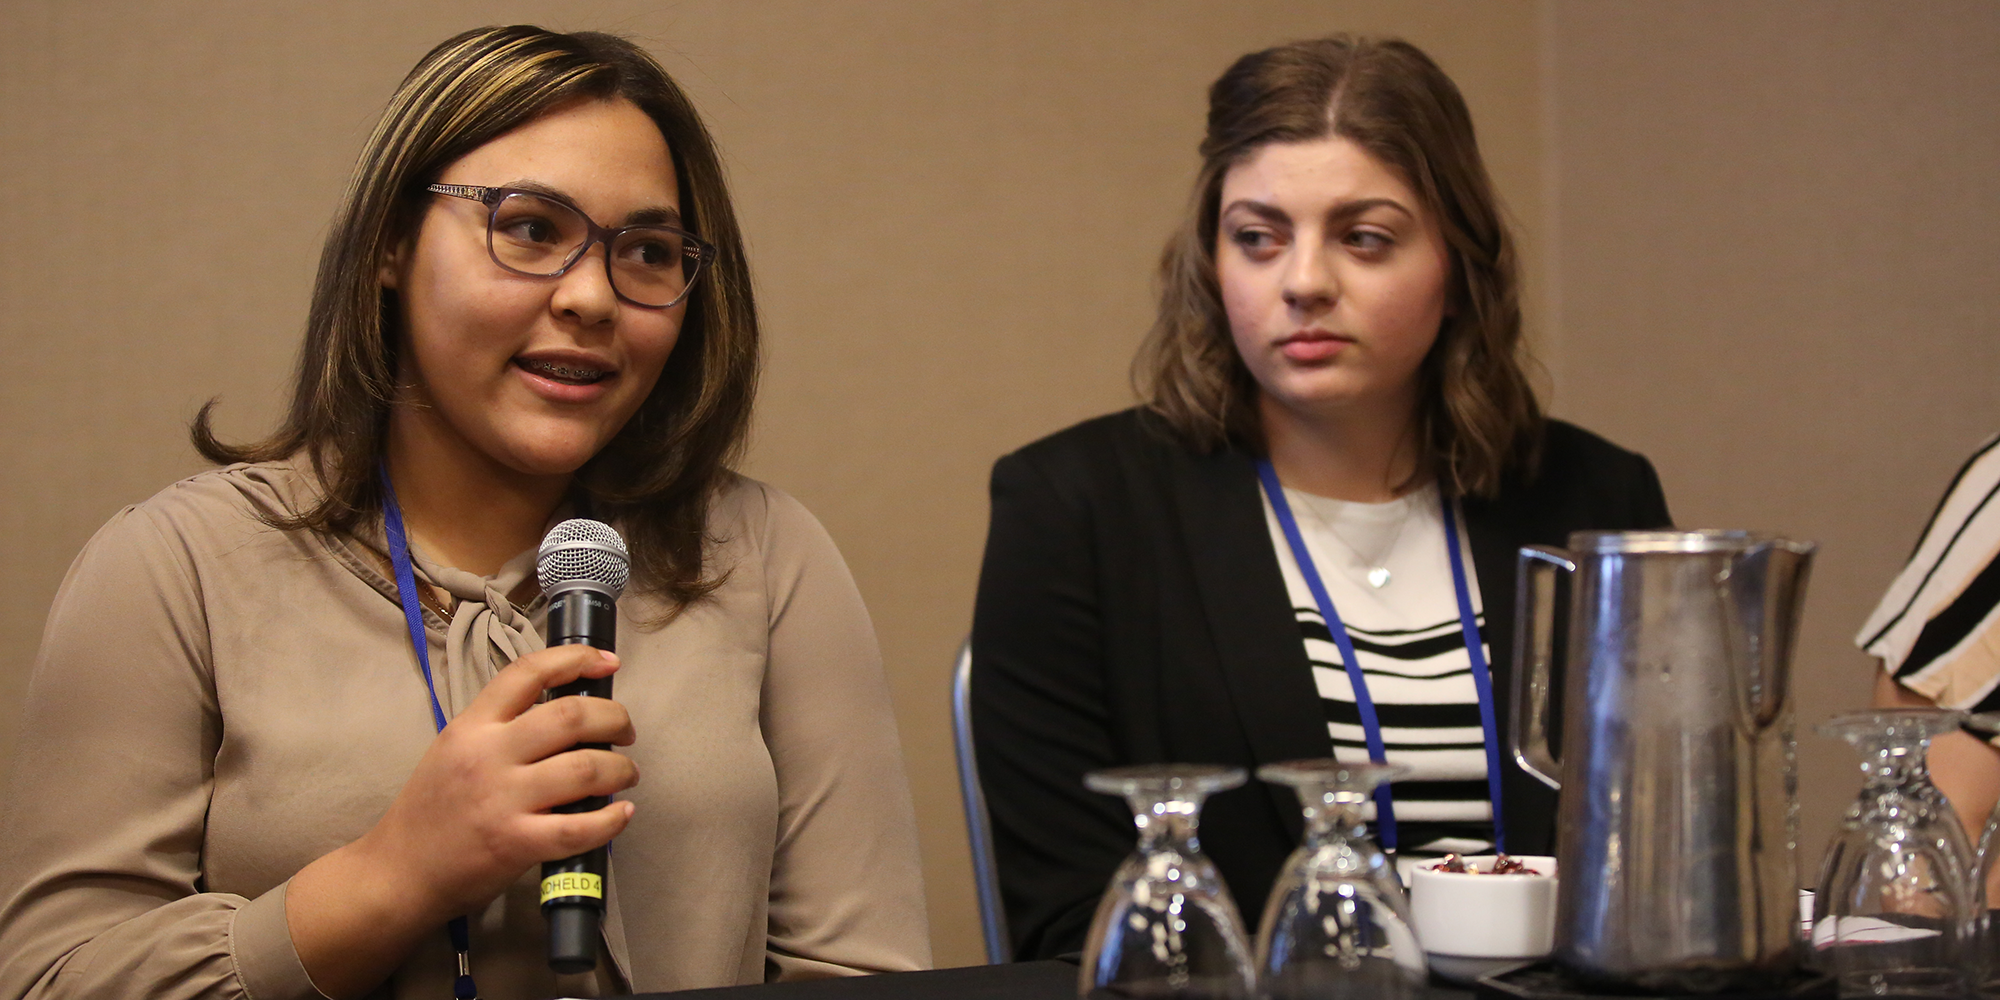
(1937, 630)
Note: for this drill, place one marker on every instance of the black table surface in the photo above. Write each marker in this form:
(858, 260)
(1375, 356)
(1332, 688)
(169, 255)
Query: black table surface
(1048, 980)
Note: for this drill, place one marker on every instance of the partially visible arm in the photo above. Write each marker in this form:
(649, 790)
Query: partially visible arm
(1650, 501)
(847, 890)
(1042, 712)
(100, 877)
(1965, 768)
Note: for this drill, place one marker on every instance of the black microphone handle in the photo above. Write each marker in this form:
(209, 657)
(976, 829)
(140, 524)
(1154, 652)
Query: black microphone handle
(573, 888)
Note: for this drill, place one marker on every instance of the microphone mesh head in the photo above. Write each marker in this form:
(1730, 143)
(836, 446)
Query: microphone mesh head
(585, 551)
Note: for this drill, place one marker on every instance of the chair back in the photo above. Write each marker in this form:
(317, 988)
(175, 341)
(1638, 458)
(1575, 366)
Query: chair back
(978, 825)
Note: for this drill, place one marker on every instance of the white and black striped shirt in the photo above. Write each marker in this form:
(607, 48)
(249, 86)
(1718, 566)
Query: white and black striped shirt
(1937, 630)
(1411, 649)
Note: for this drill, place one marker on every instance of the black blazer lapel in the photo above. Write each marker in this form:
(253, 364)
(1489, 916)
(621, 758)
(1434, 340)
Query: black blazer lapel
(1496, 533)
(1257, 640)
(1495, 550)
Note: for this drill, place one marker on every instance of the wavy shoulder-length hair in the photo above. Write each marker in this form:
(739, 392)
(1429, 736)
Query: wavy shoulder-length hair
(658, 475)
(1477, 417)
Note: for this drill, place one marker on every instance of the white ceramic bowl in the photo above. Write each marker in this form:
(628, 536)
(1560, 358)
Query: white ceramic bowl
(1486, 916)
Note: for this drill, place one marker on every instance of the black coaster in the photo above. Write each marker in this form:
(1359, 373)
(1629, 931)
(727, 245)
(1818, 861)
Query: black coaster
(1543, 981)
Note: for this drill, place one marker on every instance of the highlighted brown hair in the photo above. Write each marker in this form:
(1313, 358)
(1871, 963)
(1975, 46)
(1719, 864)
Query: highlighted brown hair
(658, 475)
(1477, 417)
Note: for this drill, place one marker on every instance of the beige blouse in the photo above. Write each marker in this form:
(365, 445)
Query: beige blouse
(217, 703)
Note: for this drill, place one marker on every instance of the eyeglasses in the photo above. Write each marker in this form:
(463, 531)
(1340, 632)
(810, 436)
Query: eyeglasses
(542, 236)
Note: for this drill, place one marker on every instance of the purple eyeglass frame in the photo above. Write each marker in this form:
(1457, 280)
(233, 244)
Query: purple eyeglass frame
(701, 252)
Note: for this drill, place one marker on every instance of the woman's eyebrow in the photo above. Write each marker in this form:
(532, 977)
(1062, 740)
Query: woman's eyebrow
(654, 217)
(1360, 206)
(658, 216)
(1344, 210)
(1270, 213)
(537, 187)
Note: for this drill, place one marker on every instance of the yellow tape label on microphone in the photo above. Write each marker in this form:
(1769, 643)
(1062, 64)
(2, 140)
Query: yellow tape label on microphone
(564, 884)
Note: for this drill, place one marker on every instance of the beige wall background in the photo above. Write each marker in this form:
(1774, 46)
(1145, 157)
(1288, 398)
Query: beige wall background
(1775, 235)
(1761, 243)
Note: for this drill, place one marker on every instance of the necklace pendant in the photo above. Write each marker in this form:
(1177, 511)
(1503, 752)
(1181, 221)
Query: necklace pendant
(1378, 577)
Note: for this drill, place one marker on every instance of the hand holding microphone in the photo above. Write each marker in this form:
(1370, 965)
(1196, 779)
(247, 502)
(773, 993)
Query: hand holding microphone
(476, 811)
(583, 568)
(499, 790)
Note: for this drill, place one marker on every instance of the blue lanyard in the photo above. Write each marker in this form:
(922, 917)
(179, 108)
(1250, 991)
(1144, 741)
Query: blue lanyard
(463, 987)
(1371, 726)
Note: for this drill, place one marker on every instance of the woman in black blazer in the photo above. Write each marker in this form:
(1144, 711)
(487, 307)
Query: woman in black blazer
(1341, 305)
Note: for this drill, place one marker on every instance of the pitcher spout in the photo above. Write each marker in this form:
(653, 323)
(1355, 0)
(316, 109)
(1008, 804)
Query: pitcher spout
(1763, 592)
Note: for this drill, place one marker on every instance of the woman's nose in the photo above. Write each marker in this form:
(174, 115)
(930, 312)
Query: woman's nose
(584, 291)
(1309, 279)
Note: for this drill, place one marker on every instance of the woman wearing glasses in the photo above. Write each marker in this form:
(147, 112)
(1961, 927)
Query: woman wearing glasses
(232, 781)
(1303, 544)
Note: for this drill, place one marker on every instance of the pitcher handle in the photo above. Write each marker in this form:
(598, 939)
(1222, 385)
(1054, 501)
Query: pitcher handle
(1534, 649)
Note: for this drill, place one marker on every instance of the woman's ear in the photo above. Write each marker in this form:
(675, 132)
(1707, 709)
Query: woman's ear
(390, 274)
(1457, 287)
(396, 256)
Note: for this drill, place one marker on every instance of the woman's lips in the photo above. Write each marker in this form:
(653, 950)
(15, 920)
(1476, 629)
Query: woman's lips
(1312, 346)
(564, 383)
(577, 374)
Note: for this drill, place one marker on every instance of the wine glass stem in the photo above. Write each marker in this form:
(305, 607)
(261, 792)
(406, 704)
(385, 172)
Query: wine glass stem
(1167, 825)
(1894, 766)
(1334, 814)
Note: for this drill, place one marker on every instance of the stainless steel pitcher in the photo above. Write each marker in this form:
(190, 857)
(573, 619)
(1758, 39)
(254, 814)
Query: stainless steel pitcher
(1678, 819)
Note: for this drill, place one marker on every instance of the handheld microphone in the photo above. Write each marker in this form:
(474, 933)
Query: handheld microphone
(583, 567)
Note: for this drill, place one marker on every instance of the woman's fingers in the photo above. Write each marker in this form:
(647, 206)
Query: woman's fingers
(578, 774)
(473, 814)
(518, 687)
(561, 723)
(564, 835)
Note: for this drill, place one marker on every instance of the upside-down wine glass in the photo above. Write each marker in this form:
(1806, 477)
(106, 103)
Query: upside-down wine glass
(1166, 926)
(1337, 924)
(1897, 911)
(1988, 853)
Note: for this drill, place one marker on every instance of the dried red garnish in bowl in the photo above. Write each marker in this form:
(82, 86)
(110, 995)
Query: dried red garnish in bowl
(1502, 865)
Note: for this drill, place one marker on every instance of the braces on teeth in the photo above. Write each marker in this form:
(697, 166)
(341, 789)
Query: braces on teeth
(567, 372)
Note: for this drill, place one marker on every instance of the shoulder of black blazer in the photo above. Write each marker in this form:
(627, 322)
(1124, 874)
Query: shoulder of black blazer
(1136, 477)
(1131, 469)
(1581, 481)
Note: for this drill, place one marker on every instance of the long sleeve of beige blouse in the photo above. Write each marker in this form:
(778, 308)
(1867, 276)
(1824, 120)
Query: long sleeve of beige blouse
(117, 877)
(104, 816)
